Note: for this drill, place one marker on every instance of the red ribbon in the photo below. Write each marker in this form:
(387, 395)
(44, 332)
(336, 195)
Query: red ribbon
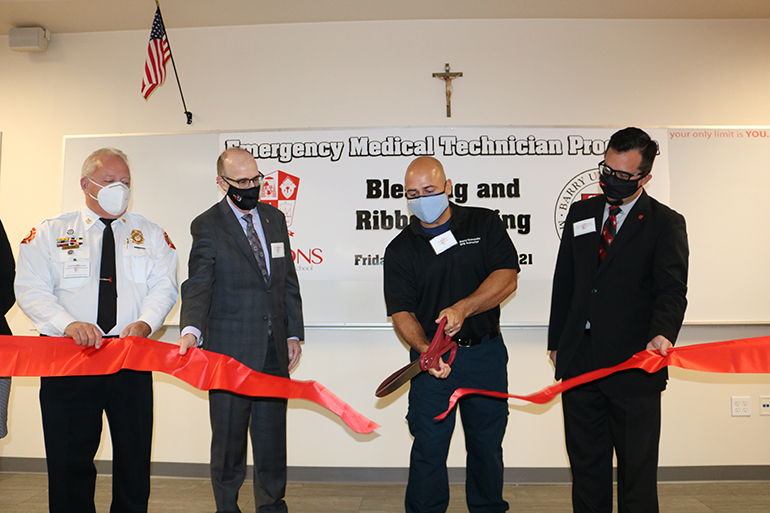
(205, 370)
(744, 356)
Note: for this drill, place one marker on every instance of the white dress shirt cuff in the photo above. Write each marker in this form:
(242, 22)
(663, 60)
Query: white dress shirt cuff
(60, 321)
(192, 330)
(151, 321)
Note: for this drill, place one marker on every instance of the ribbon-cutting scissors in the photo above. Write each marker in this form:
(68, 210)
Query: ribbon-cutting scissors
(428, 360)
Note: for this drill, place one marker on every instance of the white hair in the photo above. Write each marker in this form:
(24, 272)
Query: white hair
(94, 159)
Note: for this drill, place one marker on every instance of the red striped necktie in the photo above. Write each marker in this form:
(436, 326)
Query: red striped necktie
(608, 232)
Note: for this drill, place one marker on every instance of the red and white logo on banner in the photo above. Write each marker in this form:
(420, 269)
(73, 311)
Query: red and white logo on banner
(280, 190)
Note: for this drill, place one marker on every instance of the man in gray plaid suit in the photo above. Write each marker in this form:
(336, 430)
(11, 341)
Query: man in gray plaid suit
(242, 299)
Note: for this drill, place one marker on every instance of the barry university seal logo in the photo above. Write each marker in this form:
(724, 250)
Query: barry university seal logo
(583, 186)
(280, 190)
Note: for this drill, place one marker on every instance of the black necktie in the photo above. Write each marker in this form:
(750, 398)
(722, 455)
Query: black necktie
(108, 286)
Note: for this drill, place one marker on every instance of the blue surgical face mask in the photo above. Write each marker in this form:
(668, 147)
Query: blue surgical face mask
(429, 208)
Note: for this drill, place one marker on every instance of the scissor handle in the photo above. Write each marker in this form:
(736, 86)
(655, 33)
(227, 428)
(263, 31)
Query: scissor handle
(452, 355)
(441, 344)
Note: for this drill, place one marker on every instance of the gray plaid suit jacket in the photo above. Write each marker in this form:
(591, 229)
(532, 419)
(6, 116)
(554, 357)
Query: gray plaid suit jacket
(225, 296)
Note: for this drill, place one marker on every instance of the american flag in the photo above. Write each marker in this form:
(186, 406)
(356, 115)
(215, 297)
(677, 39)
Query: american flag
(158, 55)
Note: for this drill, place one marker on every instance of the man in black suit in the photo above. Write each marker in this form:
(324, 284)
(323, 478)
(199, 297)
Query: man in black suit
(619, 288)
(7, 299)
(242, 299)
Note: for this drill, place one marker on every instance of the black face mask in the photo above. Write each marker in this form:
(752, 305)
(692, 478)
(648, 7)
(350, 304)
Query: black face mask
(245, 199)
(617, 189)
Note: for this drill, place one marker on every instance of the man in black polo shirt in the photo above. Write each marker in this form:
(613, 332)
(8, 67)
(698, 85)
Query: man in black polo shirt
(459, 263)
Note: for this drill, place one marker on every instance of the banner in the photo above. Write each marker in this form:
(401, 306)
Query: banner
(343, 196)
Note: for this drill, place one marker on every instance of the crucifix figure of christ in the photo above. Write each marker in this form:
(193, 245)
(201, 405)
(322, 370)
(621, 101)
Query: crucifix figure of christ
(447, 77)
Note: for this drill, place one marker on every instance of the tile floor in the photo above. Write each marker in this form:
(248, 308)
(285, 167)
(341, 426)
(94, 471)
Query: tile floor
(27, 493)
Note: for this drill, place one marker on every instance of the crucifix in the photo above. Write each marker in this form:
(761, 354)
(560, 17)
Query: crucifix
(447, 77)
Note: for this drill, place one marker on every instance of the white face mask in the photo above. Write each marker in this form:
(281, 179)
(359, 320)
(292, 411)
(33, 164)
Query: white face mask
(113, 198)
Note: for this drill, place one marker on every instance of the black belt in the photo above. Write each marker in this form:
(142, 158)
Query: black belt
(474, 341)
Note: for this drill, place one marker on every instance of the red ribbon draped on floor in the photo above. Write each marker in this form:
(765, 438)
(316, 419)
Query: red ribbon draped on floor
(744, 356)
(205, 370)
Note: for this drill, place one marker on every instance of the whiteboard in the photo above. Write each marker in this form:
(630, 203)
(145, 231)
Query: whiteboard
(720, 181)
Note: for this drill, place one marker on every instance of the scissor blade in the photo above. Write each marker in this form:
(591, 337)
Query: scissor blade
(398, 378)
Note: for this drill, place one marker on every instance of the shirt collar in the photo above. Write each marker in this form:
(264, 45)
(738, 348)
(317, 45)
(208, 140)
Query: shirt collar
(624, 209)
(238, 214)
(91, 219)
(458, 214)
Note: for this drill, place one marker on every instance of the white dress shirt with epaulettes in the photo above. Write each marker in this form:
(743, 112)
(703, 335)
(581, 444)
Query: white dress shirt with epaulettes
(53, 295)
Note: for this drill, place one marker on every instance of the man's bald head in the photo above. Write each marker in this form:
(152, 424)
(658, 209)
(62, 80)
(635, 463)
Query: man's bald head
(235, 158)
(425, 176)
(425, 168)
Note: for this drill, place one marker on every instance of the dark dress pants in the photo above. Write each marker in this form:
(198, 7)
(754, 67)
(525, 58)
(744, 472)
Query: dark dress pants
(484, 421)
(595, 423)
(72, 409)
(233, 417)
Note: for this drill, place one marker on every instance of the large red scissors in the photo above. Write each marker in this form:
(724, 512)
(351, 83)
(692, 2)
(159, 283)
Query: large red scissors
(428, 360)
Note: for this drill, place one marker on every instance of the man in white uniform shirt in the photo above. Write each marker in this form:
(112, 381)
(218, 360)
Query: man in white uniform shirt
(71, 284)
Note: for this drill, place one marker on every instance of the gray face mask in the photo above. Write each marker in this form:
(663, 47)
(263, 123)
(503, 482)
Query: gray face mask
(429, 208)
(113, 198)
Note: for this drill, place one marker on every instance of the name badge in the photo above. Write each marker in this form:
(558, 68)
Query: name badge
(443, 242)
(584, 226)
(80, 269)
(276, 249)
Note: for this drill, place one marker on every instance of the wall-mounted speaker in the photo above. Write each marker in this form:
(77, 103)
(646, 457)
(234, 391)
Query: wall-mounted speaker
(31, 39)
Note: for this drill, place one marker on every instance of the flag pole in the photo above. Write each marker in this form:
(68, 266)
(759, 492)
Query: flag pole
(171, 54)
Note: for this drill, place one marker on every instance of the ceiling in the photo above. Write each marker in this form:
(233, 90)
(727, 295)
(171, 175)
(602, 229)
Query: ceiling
(63, 16)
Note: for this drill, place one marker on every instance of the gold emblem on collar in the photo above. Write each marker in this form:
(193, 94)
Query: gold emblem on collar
(137, 237)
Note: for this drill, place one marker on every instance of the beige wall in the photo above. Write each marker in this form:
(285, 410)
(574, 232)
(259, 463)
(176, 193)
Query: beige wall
(516, 72)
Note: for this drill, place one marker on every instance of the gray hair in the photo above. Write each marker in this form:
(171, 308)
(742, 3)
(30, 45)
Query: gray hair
(94, 159)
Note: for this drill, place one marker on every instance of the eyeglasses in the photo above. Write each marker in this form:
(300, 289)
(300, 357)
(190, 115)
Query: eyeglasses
(243, 183)
(623, 175)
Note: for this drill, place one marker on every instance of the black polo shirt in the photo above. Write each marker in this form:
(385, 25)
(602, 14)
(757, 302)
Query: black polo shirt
(418, 280)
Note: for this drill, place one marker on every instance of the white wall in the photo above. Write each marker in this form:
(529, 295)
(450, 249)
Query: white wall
(516, 72)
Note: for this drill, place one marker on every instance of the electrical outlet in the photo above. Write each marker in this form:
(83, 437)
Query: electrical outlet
(764, 404)
(740, 406)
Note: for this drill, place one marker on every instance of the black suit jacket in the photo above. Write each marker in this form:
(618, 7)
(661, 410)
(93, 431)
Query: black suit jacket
(7, 275)
(225, 296)
(637, 292)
